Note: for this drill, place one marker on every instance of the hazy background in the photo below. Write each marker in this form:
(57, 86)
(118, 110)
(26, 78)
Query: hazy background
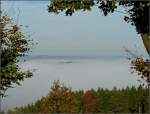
(72, 41)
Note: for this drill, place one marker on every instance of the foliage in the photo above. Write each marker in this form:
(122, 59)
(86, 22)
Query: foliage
(2, 112)
(14, 45)
(80, 104)
(70, 6)
(90, 102)
(62, 99)
(142, 67)
(117, 101)
(30, 108)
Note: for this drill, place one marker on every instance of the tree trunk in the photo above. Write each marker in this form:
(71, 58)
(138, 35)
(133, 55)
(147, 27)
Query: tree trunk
(146, 42)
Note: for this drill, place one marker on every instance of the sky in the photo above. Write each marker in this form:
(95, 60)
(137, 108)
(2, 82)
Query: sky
(84, 33)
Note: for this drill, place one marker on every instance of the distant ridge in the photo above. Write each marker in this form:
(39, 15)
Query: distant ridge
(72, 57)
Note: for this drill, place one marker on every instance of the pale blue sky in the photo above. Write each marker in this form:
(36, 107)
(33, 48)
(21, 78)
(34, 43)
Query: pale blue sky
(84, 33)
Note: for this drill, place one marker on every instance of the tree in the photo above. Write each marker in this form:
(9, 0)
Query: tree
(118, 101)
(80, 104)
(132, 100)
(13, 46)
(60, 99)
(90, 102)
(104, 100)
(142, 96)
(129, 100)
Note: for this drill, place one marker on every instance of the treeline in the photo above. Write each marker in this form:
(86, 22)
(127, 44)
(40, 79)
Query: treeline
(62, 99)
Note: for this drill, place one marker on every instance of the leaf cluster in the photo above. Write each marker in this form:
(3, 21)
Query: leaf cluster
(13, 46)
(69, 6)
(142, 67)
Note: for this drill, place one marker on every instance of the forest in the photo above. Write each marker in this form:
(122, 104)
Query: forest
(62, 99)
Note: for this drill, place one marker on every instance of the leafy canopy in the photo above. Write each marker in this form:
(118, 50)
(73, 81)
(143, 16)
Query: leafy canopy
(14, 45)
(60, 99)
